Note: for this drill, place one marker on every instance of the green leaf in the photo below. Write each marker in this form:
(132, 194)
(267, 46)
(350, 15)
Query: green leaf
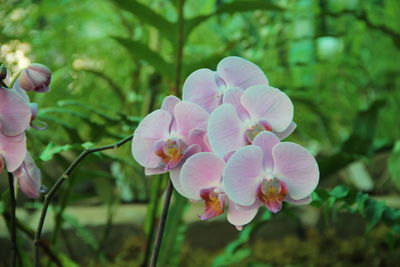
(148, 16)
(139, 50)
(52, 149)
(394, 164)
(229, 8)
(339, 191)
(373, 213)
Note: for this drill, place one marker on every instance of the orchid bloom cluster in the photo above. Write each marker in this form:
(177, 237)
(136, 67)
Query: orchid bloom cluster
(17, 114)
(222, 144)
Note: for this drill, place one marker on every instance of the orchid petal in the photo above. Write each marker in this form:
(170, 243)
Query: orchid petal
(201, 171)
(233, 96)
(297, 168)
(13, 150)
(199, 137)
(153, 171)
(225, 130)
(289, 130)
(190, 116)
(269, 104)
(303, 201)
(152, 128)
(15, 114)
(243, 174)
(239, 72)
(201, 88)
(169, 103)
(28, 176)
(174, 175)
(266, 141)
(240, 215)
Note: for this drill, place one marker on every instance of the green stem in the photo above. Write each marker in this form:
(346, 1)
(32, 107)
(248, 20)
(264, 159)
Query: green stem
(60, 181)
(13, 225)
(161, 225)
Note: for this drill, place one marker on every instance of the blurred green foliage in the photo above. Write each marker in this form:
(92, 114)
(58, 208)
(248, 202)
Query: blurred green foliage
(114, 60)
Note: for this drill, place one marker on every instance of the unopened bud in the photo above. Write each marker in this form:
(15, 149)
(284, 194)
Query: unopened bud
(3, 72)
(36, 77)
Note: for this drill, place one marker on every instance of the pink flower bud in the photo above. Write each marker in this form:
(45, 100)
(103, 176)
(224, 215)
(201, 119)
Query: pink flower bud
(36, 77)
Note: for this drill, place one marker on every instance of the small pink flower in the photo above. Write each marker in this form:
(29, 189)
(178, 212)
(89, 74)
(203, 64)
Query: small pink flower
(206, 87)
(36, 77)
(28, 176)
(201, 180)
(245, 114)
(269, 172)
(168, 136)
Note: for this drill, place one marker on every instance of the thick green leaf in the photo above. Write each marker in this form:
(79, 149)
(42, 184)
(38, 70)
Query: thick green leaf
(373, 213)
(140, 51)
(148, 16)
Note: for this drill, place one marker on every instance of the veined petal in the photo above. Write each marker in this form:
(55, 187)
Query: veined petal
(189, 116)
(199, 137)
(28, 176)
(289, 130)
(297, 168)
(201, 171)
(15, 114)
(13, 150)
(201, 88)
(233, 96)
(169, 103)
(151, 129)
(239, 72)
(303, 201)
(269, 104)
(241, 215)
(153, 171)
(174, 174)
(266, 141)
(243, 174)
(225, 130)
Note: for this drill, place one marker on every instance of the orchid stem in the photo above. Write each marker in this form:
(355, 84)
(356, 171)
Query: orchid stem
(161, 225)
(13, 225)
(60, 181)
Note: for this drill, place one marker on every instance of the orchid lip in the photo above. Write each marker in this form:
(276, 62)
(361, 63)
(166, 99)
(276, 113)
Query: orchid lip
(214, 200)
(271, 193)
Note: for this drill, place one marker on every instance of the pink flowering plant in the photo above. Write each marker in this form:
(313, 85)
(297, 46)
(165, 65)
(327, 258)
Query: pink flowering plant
(223, 144)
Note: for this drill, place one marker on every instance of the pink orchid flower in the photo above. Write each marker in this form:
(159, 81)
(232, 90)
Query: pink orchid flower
(28, 176)
(269, 172)
(206, 87)
(245, 114)
(165, 138)
(201, 180)
(15, 116)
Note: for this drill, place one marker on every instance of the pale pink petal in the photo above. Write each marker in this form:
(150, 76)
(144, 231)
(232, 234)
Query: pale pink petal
(169, 103)
(189, 116)
(269, 104)
(15, 114)
(190, 151)
(28, 176)
(303, 201)
(229, 155)
(239, 72)
(243, 174)
(13, 150)
(174, 175)
(297, 168)
(198, 136)
(266, 141)
(201, 88)
(201, 171)
(225, 130)
(151, 129)
(233, 96)
(240, 215)
(289, 130)
(153, 171)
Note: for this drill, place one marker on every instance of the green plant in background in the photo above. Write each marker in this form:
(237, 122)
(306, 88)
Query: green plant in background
(113, 62)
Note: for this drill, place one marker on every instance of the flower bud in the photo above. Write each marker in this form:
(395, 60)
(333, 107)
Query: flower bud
(3, 72)
(36, 77)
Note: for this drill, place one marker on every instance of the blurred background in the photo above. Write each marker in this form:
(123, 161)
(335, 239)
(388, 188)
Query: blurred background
(114, 60)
